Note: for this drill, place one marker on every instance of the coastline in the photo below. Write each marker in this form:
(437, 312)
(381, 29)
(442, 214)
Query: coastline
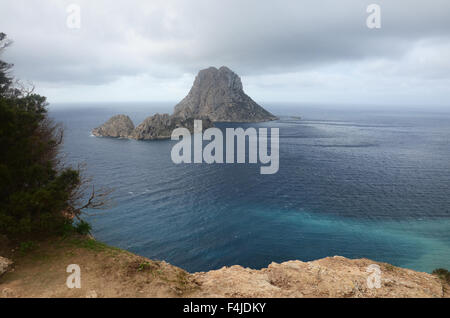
(114, 273)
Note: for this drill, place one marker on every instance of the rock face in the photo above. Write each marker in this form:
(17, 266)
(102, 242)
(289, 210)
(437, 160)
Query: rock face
(5, 265)
(162, 126)
(218, 95)
(119, 126)
(329, 277)
(130, 275)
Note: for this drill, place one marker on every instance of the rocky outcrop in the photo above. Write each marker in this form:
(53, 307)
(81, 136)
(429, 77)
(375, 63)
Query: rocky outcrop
(159, 126)
(218, 94)
(5, 265)
(329, 277)
(112, 272)
(162, 126)
(120, 126)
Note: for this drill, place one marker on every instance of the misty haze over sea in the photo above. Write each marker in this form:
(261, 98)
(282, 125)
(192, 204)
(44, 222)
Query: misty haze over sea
(352, 182)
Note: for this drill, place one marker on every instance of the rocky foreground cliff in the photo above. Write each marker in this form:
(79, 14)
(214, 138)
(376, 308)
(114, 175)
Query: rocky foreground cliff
(216, 96)
(111, 272)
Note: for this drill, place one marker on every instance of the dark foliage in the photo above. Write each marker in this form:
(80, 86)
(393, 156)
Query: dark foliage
(38, 195)
(443, 274)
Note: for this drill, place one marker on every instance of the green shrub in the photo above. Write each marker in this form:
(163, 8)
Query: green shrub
(38, 195)
(443, 274)
(34, 192)
(83, 228)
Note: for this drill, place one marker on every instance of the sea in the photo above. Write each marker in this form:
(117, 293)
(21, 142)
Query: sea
(359, 182)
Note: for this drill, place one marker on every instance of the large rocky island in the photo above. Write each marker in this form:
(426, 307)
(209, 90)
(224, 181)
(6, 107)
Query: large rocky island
(161, 126)
(216, 96)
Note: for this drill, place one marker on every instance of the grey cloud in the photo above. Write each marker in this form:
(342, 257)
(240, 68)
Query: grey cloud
(169, 38)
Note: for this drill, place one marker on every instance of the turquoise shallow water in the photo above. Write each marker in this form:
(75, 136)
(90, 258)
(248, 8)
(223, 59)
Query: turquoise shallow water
(413, 243)
(372, 184)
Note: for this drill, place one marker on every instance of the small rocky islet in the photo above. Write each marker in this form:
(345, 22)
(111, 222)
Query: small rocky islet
(216, 96)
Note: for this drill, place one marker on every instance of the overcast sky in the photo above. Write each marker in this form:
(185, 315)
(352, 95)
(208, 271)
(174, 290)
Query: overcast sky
(317, 51)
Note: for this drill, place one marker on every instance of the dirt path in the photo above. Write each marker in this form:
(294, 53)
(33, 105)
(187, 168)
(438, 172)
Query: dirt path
(105, 272)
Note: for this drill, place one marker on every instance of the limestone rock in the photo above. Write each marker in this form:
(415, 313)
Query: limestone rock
(162, 126)
(120, 126)
(328, 277)
(5, 265)
(91, 294)
(218, 95)
(8, 293)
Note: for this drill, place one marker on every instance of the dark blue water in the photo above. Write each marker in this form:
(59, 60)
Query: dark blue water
(372, 184)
